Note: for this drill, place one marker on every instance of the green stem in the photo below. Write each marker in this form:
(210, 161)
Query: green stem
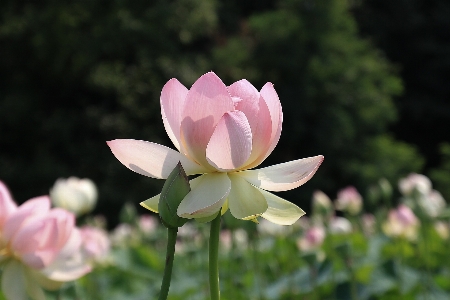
(171, 240)
(214, 258)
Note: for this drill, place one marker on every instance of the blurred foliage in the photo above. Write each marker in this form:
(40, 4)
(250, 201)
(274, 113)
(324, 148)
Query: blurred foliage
(414, 36)
(77, 74)
(441, 175)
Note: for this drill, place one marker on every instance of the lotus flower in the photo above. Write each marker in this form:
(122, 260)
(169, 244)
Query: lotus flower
(38, 247)
(221, 132)
(75, 195)
(401, 222)
(312, 239)
(349, 200)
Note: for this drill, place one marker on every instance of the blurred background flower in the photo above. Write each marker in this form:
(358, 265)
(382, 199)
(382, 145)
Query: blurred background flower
(74, 194)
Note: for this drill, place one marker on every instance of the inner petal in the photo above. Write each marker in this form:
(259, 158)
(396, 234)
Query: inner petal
(231, 142)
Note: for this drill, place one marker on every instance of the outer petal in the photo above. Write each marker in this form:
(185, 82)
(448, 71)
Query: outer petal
(150, 159)
(172, 99)
(206, 102)
(207, 196)
(280, 211)
(34, 243)
(7, 204)
(151, 204)
(70, 264)
(285, 176)
(231, 143)
(27, 212)
(255, 109)
(245, 201)
(270, 97)
(14, 281)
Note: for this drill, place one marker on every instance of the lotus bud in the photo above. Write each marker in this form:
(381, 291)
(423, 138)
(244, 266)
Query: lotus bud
(75, 195)
(349, 200)
(174, 190)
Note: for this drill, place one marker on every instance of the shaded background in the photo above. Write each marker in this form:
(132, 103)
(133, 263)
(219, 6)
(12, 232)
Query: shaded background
(364, 83)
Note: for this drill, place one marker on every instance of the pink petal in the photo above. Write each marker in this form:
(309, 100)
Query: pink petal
(285, 176)
(231, 143)
(261, 136)
(206, 102)
(249, 100)
(270, 96)
(172, 99)
(7, 204)
(65, 222)
(255, 109)
(28, 211)
(70, 264)
(150, 159)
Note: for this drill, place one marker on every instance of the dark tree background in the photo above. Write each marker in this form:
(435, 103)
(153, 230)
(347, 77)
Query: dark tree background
(363, 84)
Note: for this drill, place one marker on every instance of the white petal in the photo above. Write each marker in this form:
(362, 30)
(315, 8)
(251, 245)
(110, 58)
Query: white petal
(207, 196)
(280, 211)
(285, 176)
(150, 159)
(14, 281)
(245, 201)
(151, 204)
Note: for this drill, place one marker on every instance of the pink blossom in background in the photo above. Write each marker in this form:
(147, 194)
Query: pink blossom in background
(96, 244)
(147, 223)
(340, 225)
(38, 247)
(221, 132)
(368, 222)
(401, 222)
(414, 182)
(312, 239)
(349, 200)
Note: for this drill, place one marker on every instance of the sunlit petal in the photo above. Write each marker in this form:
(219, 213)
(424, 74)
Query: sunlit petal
(280, 211)
(207, 196)
(150, 159)
(262, 134)
(245, 201)
(231, 143)
(270, 96)
(151, 204)
(285, 176)
(206, 102)
(172, 99)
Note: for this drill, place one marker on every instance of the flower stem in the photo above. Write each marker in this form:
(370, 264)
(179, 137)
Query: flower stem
(214, 258)
(171, 239)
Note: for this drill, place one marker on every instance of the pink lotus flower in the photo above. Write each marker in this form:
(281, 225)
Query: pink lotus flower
(401, 222)
(221, 132)
(38, 247)
(349, 200)
(96, 244)
(312, 239)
